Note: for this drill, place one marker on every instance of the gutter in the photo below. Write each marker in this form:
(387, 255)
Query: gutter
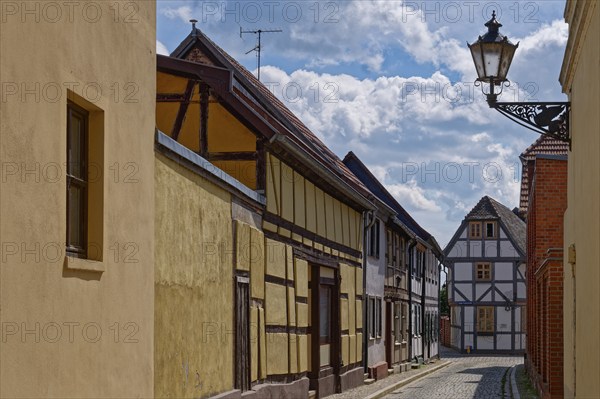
(367, 225)
(411, 243)
(337, 182)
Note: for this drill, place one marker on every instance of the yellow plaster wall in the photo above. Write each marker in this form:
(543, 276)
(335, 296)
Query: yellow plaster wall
(96, 60)
(226, 133)
(194, 284)
(582, 219)
(257, 264)
(296, 199)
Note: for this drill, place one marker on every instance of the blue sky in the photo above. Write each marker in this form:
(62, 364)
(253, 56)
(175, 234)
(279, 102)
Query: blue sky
(393, 82)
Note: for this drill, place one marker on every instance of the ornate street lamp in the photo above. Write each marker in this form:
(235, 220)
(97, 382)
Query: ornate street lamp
(492, 54)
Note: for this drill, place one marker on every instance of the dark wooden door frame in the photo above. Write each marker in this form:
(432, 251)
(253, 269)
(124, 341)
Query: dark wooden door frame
(336, 354)
(242, 334)
(389, 342)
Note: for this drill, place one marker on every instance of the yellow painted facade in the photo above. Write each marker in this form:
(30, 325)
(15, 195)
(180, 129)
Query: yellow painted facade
(579, 79)
(193, 344)
(77, 327)
(297, 200)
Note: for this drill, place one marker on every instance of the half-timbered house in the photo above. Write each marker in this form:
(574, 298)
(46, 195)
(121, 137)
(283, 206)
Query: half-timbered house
(259, 276)
(411, 284)
(486, 280)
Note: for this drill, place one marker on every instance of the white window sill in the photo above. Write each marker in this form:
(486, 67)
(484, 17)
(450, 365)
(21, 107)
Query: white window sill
(73, 263)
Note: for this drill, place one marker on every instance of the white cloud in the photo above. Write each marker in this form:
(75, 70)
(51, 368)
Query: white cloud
(161, 48)
(411, 119)
(184, 13)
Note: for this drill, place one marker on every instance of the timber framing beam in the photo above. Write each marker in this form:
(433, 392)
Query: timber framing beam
(232, 156)
(204, 95)
(183, 107)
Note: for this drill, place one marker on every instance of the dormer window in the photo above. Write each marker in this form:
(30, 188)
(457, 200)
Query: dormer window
(490, 229)
(474, 229)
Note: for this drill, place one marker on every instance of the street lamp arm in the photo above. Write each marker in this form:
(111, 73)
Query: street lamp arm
(546, 118)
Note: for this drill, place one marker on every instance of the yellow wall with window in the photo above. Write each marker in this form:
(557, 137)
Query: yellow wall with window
(77, 327)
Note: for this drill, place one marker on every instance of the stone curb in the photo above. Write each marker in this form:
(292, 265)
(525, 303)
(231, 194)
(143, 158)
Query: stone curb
(384, 391)
(513, 383)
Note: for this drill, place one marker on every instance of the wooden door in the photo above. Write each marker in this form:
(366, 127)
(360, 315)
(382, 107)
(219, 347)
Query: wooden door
(242, 334)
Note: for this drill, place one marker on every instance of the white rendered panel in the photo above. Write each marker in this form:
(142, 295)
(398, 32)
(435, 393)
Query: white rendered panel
(455, 337)
(522, 268)
(480, 288)
(475, 249)
(468, 326)
(465, 289)
(521, 290)
(463, 271)
(468, 341)
(503, 319)
(459, 250)
(503, 342)
(502, 233)
(506, 289)
(507, 250)
(485, 342)
(491, 249)
(503, 271)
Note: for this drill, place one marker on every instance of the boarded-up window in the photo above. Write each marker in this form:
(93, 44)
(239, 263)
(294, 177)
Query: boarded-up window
(485, 319)
(474, 230)
(483, 272)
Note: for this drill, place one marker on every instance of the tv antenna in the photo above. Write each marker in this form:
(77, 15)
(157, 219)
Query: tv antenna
(258, 47)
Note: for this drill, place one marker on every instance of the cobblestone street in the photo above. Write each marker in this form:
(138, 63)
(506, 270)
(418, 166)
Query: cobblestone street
(468, 377)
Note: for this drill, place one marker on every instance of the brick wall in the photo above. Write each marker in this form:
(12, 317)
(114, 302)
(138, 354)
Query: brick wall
(547, 204)
(445, 331)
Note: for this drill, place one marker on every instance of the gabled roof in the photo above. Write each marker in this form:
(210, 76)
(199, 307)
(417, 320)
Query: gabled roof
(247, 84)
(543, 145)
(364, 174)
(489, 209)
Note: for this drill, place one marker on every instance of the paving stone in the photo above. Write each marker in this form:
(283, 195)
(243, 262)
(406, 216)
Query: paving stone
(468, 377)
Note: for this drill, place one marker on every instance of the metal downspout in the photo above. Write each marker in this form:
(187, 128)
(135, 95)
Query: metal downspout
(412, 242)
(369, 218)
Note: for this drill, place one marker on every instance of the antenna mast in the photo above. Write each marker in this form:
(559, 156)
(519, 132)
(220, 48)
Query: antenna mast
(258, 47)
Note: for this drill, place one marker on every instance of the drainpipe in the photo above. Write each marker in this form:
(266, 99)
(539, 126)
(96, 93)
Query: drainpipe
(411, 243)
(423, 304)
(441, 268)
(369, 221)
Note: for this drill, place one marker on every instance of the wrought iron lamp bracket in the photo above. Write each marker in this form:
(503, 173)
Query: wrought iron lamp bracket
(546, 118)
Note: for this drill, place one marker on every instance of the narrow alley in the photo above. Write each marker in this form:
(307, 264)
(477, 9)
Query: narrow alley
(469, 376)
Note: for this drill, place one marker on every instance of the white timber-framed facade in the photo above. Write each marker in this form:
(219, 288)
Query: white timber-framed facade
(486, 280)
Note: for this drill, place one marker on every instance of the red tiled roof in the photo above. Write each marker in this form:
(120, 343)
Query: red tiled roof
(543, 145)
